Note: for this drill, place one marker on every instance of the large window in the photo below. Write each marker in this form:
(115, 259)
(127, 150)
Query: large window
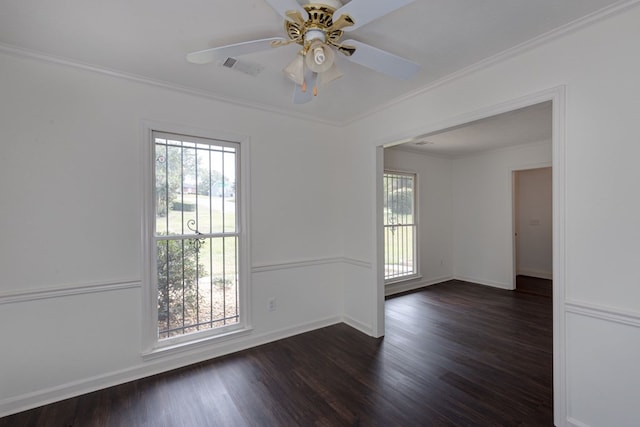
(400, 227)
(195, 237)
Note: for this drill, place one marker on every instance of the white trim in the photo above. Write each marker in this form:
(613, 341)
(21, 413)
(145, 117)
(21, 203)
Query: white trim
(295, 264)
(526, 100)
(291, 265)
(542, 39)
(402, 279)
(509, 148)
(398, 288)
(156, 366)
(378, 232)
(572, 422)
(609, 314)
(88, 288)
(206, 341)
(356, 324)
(548, 275)
(558, 171)
(412, 150)
(519, 49)
(358, 263)
(150, 343)
(403, 146)
(483, 282)
(44, 57)
(66, 290)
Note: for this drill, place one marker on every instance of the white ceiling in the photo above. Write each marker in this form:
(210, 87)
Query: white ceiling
(150, 38)
(523, 126)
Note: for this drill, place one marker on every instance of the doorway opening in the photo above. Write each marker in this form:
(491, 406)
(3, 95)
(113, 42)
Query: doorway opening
(555, 99)
(533, 231)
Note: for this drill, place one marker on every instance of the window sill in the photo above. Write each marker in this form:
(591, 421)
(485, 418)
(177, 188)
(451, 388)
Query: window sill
(183, 347)
(403, 279)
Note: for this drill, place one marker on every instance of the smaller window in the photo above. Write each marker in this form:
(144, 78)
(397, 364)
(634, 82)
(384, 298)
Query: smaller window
(400, 227)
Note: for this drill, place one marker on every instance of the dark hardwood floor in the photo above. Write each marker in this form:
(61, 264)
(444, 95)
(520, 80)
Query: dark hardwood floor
(534, 285)
(454, 354)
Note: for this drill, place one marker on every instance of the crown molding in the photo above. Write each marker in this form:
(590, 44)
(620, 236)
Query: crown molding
(413, 150)
(521, 48)
(554, 34)
(44, 57)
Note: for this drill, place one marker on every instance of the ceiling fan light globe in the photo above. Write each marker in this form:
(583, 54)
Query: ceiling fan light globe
(318, 55)
(319, 58)
(330, 75)
(295, 70)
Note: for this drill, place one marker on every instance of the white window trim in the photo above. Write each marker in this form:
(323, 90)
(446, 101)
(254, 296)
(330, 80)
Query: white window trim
(151, 346)
(416, 220)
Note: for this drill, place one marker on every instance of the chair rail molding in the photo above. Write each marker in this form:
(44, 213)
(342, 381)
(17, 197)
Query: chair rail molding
(18, 296)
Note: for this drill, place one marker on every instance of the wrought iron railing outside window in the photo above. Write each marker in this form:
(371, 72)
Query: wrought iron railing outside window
(400, 227)
(196, 234)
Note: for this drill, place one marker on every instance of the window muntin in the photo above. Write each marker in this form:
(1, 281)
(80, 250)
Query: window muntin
(196, 234)
(400, 226)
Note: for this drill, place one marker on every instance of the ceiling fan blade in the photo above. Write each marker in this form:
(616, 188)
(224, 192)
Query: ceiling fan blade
(300, 97)
(382, 61)
(237, 49)
(365, 11)
(283, 6)
(340, 23)
(296, 17)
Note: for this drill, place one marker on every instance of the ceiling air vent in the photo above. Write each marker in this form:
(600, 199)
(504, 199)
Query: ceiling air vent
(230, 62)
(243, 66)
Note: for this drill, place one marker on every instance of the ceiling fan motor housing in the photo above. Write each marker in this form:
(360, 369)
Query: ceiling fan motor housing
(314, 28)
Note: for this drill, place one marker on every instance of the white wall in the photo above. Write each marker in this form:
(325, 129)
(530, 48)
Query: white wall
(64, 132)
(465, 209)
(534, 222)
(599, 69)
(70, 226)
(434, 215)
(482, 212)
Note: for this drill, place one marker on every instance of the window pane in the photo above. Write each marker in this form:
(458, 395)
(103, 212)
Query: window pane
(194, 200)
(195, 186)
(161, 188)
(197, 284)
(400, 230)
(178, 273)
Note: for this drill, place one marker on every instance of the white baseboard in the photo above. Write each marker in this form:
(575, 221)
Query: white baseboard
(356, 324)
(572, 422)
(536, 273)
(396, 288)
(32, 400)
(485, 282)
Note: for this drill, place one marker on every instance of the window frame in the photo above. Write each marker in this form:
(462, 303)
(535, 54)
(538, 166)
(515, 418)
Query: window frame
(416, 235)
(152, 345)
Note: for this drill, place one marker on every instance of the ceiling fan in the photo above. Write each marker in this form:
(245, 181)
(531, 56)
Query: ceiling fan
(318, 28)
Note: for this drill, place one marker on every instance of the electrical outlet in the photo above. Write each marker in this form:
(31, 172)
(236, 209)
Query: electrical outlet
(271, 304)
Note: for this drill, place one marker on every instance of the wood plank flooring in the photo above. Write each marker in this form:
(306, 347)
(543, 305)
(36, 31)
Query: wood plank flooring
(534, 285)
(454, 354)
